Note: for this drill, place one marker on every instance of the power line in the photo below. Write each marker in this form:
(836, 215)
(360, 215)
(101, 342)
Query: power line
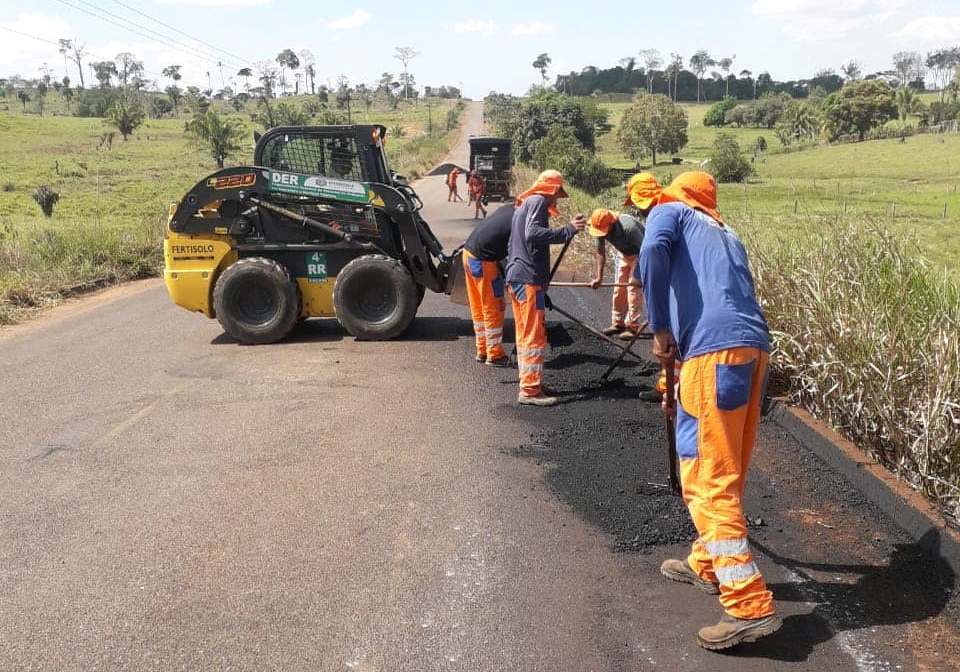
(162, 38)
(177, 30)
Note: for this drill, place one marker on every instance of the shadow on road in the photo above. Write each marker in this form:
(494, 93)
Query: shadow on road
(916, 585)
(329, 330)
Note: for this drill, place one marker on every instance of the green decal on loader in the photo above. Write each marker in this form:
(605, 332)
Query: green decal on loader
(316, 267)
(317, 186)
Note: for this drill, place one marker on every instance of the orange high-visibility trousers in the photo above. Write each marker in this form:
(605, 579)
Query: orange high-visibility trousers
(485, 293)
(627, 301)
(717, 418)
(528, 304)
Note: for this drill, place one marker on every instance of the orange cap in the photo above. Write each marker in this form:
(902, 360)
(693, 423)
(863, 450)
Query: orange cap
(643, 191)
(600, 222)
(696, 189)
(549, 183)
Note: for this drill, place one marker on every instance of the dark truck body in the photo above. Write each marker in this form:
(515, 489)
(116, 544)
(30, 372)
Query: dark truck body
(491, 159)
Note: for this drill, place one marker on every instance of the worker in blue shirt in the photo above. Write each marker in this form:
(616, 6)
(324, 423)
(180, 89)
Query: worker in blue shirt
(703, 310)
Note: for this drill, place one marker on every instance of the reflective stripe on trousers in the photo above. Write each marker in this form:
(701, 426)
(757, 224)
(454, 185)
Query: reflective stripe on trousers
(485, 294)
(527, 302)
(717, 416)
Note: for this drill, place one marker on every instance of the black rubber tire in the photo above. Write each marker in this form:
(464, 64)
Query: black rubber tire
(375, 298)
(256, 300)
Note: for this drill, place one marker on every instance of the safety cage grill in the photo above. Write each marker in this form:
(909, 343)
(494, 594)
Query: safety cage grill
(329, 156)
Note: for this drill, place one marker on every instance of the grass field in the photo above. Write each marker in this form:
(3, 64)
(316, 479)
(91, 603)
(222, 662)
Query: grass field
(108, 224)
(904, 185)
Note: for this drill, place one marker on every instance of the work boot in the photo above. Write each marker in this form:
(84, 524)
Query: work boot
(679, 570)
(651, 396)
(627, 333)
(731, 631)
(481, 358)
(539, 400)
(613, 329)
(500, 362)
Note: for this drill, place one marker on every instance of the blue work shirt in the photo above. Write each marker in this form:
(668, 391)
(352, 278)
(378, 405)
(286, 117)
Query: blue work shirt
(528, 261)
(697, 283)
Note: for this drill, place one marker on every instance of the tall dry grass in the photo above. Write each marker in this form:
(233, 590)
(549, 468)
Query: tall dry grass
(866, 336)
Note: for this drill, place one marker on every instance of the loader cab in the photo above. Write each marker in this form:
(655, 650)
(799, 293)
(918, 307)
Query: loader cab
(354, 153)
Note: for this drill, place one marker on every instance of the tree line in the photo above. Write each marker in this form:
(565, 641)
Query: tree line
(702, 77)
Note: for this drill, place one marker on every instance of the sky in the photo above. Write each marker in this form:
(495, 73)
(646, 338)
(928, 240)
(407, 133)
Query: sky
(484, 46)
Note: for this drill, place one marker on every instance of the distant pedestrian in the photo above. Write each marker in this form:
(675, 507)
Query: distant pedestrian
(484, 250)
(479, 194)
(624, 232)
(528, 272)
(703, 309)
(452, 185)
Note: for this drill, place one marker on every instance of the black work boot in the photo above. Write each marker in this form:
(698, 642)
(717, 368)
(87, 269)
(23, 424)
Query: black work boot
(731, 631)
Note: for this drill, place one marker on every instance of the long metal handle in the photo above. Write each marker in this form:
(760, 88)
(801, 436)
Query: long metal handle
(599, 334)
(670, 398)
(587, 284)
(556, 264)
(623, 354)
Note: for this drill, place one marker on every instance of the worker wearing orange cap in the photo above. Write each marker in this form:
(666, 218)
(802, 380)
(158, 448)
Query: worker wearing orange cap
(625, 233)
(703, 309)
(528, 274)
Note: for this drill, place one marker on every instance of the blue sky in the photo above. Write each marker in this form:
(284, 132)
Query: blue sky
(486, 45)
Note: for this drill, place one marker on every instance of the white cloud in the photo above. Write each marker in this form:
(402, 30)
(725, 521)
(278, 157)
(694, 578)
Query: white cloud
(930, 30)
(534, 28)
(815, 20)
(216, 3)
(351, 21)
(19, 50)
(475, 26)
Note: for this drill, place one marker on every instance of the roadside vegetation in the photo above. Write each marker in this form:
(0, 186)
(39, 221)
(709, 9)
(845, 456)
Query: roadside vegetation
(86, 206)
(845, 191)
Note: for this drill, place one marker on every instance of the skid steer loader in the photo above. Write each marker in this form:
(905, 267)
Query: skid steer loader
(319, 226)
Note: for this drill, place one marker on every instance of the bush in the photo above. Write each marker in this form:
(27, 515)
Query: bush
(727, 162)
(46, 198)
(865, 334)
(96, 102)
(717, 113)
(561, 150)
(160, 107)
(546, 110)
(126, 114)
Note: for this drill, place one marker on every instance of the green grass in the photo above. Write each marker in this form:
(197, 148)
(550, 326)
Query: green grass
(108, 224)
(903, 185)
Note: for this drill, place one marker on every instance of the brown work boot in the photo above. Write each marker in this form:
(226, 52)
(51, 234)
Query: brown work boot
(613, 329)
(500, 362)
(539, 400)
(731, 631)
(679, 570)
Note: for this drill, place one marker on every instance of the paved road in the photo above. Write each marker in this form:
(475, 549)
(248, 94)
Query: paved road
(170, 500)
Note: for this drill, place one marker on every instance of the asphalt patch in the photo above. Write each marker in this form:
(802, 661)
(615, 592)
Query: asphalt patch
(605, 453)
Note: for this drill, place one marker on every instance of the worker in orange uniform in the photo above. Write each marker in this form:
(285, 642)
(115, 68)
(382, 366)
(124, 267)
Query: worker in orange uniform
(483, 251)
(479, 193)
(528, 273)
(624, 232)
(452, 185)
(702, 308)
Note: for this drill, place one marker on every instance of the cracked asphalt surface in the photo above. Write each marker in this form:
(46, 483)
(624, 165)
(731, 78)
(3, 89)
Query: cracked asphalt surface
(170, 500)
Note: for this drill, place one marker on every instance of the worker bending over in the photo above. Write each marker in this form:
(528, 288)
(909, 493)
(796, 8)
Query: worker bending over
(625, 235)
(482, 253)
(702, 308)
(528, 274)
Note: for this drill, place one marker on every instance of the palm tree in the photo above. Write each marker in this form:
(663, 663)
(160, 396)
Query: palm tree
(287, 59)
(542, 63)
(246, 73)
(725, 65)
(699, 63)
(908, 102)
(220, 135)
